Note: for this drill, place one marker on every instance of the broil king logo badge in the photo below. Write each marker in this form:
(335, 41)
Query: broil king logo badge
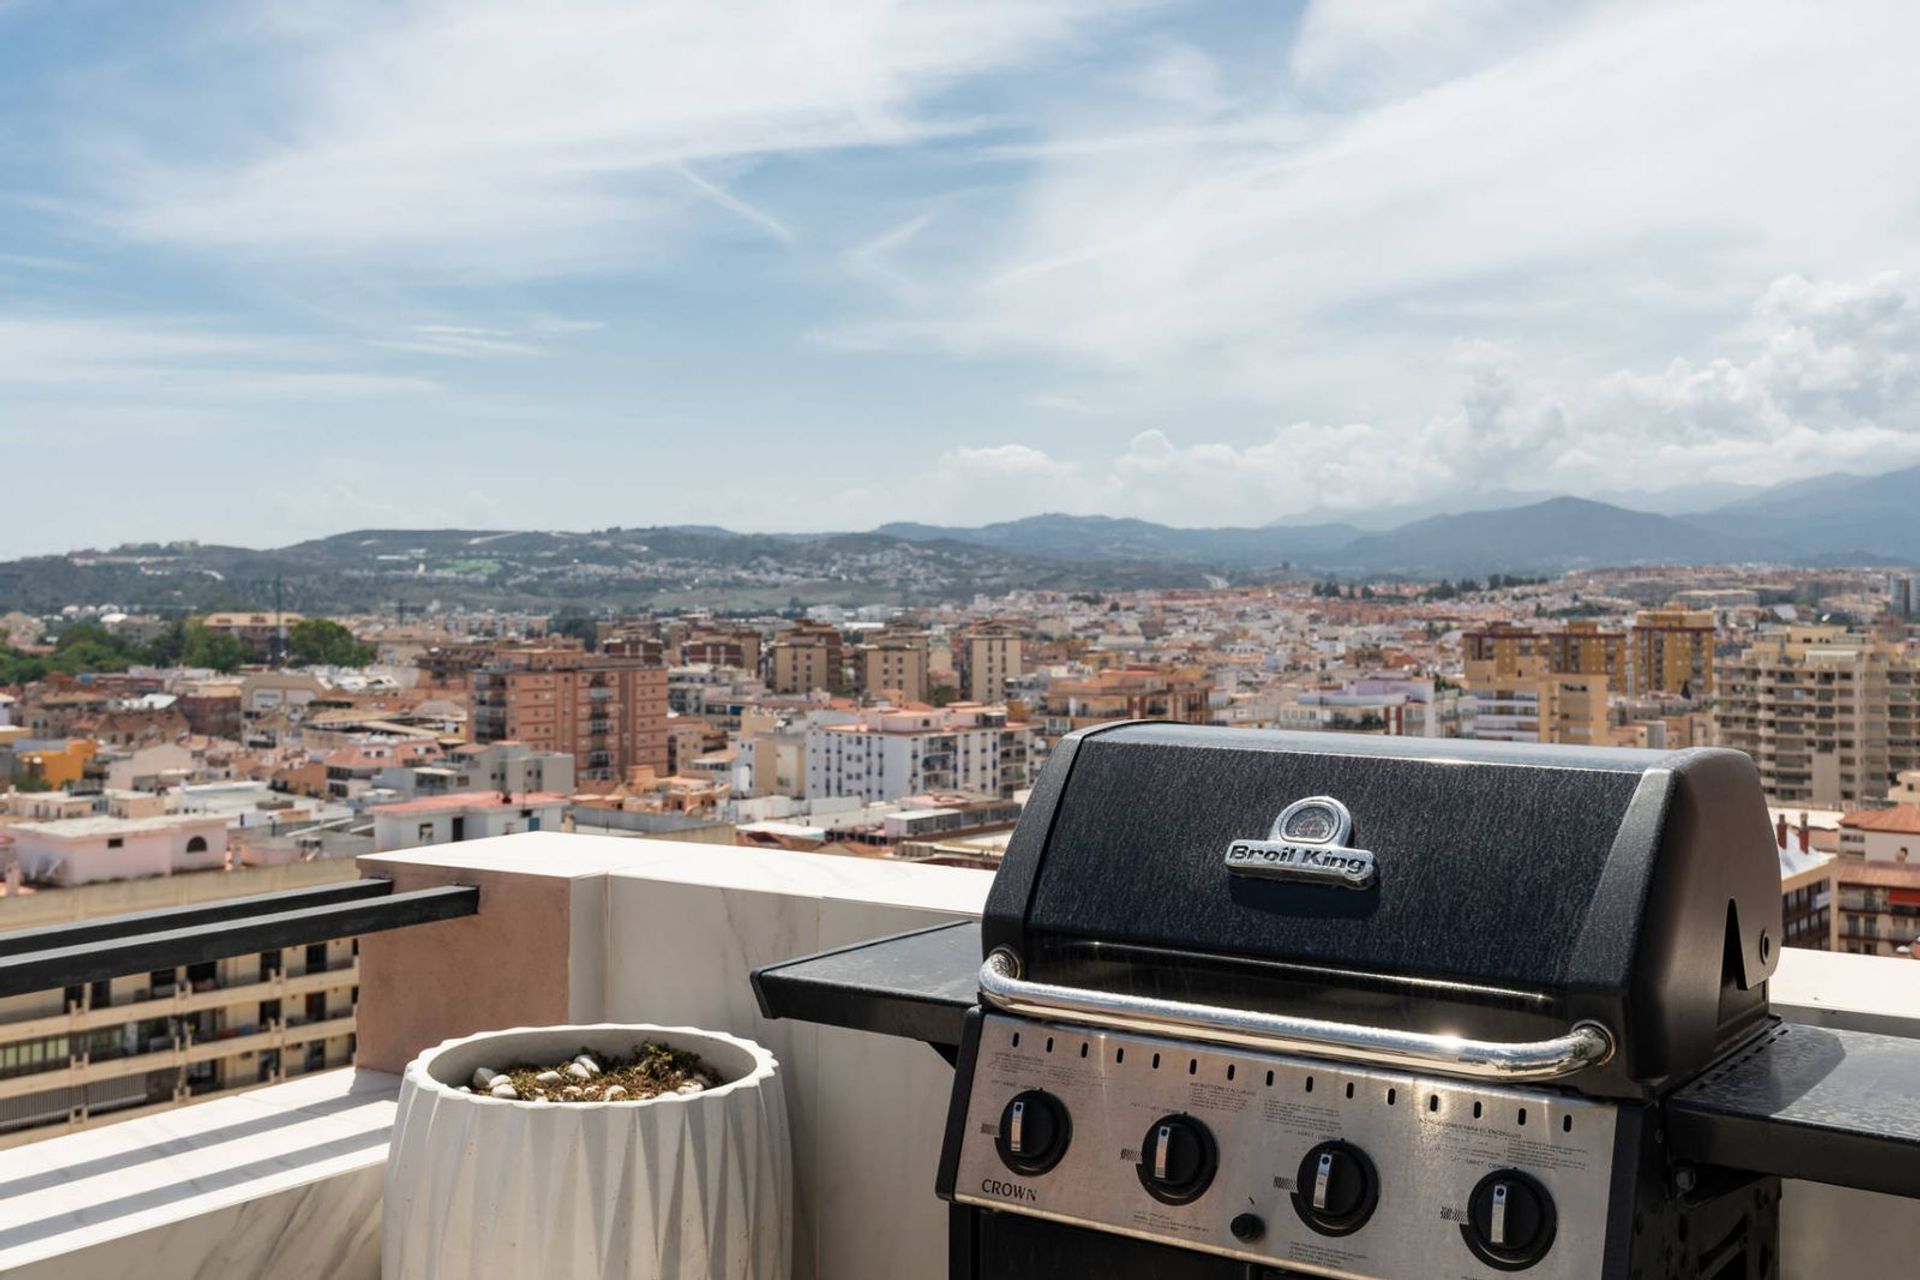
(1308, 842)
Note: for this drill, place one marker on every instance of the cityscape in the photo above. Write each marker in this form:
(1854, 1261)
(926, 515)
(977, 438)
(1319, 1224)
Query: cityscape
(155, 760)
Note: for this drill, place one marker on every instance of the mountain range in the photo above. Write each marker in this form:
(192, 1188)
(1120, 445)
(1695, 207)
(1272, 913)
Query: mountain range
(1823, 520)
(1826, 519)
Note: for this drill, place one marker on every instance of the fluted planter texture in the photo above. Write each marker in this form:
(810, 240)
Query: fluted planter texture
(673, 1188)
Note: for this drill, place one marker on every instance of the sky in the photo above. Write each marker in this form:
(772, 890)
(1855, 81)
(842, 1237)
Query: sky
(273, 270)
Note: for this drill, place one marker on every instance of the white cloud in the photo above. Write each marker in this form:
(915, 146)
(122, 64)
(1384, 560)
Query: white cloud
(469, 341)
(1457, 224)
(1824, 378)
(1675, 156)
(495, 138)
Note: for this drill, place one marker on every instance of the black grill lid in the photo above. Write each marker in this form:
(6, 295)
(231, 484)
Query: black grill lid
(1518, 887)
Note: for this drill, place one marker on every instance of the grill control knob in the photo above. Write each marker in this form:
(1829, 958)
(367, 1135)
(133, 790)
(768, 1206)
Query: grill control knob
(1336, 1189)
(1034, 1132)
(1510, 1220)
(1177, 1159)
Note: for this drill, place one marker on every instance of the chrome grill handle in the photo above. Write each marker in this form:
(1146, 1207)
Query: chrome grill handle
(1585, 1045)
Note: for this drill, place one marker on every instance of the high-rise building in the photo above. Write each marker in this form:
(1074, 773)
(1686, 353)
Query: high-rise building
(894, 662)
(989, 655)
(1501, 647)
(1830, 717)
(1584, 649)
(609, 713)
(1903, 594)
(1533, 703)
(1673, 652)
(1579, 648)
(808, 656)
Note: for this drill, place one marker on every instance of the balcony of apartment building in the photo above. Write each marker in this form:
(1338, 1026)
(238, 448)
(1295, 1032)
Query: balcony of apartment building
(286, 1180)
(176, 1032)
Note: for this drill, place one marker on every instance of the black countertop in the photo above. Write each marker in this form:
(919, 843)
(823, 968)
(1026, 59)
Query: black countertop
(917, 985)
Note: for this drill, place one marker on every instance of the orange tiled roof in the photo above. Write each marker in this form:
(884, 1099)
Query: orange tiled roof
(1902, 819)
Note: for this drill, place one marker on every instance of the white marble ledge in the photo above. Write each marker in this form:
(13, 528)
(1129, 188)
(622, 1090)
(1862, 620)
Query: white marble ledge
(960, 891)
(1880, 994)
(283, 1180)
(535, 853)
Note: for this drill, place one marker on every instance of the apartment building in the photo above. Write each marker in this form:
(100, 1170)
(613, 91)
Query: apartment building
(1673, 651)
(719, 645)
(1392, 705)
(608, 713)
(1532, 702)
(894, 663)
(263, 633)
(1877, 908)
(889, 753)
(806, 657)
(495, 767)
(1582, 648)
(1903, 594)
(1807, 918)
(989, 656)
(1830, 717)
(1875, 882)
(1142, 692)
(111, 1050)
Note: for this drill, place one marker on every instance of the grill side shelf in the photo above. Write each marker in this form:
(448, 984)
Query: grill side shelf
(917, 985)
(1840, 1107)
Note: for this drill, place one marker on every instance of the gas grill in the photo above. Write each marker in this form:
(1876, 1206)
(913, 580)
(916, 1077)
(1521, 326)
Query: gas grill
(1249, 1005)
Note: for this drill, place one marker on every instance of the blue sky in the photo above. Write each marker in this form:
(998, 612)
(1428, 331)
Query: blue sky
(274, 270)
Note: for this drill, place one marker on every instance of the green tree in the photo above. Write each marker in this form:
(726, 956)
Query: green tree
(88, 646)
(215, 650)
(21, 668)
(325, 642)
(167, 648)
(577, 625)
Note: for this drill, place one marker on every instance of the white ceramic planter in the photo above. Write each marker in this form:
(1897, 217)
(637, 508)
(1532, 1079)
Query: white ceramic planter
(674, 1188)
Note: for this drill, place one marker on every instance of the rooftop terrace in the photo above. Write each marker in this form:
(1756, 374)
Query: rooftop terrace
(285, 1181)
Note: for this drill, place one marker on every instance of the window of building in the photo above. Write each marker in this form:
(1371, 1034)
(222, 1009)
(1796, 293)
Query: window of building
(197, 845)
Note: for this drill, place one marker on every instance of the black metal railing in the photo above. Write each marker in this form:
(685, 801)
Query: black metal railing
(113, 946)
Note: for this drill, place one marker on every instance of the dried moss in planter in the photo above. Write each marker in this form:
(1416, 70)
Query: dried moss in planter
(651, 1071)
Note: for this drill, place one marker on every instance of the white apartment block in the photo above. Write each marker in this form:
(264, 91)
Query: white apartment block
(887, 754)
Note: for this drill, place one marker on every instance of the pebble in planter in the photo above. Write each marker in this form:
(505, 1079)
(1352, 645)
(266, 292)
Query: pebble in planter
(692, 1182)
